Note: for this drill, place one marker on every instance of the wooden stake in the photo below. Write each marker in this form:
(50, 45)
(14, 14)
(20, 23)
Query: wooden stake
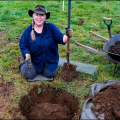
(92, 50)
(99, 36)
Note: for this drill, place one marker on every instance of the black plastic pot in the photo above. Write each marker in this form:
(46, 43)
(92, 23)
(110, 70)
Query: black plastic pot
(111, 42)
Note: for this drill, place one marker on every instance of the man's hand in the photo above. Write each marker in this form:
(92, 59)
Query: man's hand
(69, 32)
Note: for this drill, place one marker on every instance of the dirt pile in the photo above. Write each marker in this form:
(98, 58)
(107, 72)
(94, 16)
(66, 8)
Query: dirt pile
(107, 102)
(69, 72)
(45, 102)
(115, 48)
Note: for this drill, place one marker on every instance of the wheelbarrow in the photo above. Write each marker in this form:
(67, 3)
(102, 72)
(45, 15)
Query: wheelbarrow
(115, 58)
(112, 41)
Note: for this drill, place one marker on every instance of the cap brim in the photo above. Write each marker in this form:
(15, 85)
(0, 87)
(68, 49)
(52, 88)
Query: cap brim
(30, 13)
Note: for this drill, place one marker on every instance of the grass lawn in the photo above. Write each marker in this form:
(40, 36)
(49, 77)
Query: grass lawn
(14, 19)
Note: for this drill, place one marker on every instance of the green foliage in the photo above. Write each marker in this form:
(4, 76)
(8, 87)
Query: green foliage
(39, 90)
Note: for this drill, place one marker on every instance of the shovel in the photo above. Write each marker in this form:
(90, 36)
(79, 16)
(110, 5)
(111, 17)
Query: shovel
(108, 25)
(68, 39)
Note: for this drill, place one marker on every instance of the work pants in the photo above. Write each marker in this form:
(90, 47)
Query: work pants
(29, 72)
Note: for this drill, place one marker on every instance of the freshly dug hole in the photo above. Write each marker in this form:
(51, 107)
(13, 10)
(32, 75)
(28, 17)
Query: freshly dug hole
(107, 102)
(69, 72)
(45, 102)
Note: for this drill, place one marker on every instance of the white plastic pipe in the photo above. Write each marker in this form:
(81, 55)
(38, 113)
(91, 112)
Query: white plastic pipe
(63, 5)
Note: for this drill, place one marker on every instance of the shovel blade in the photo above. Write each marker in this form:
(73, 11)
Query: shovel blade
(81, 67)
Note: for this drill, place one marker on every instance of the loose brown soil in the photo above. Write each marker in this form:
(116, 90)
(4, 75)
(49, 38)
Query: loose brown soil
(48, 103)
(69, 72)
(115, 48)
(108, 103)
(5, 90)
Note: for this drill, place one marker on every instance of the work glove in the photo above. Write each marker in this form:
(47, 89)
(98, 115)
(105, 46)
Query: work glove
(27, 57)
(69, 32)
(28, 60)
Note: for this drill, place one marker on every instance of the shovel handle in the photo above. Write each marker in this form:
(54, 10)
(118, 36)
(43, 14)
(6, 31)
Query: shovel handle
(68, 50)
(69, 16)
(68, 47)
(108, 19)
(108, 25)
(105, 18)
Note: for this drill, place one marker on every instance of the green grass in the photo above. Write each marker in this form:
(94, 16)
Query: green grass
(14, 19)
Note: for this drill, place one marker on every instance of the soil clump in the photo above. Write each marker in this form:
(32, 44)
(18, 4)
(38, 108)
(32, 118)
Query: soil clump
(81, 22)
(115, 48)
(69, 72)
(46, 102)
(107, 102)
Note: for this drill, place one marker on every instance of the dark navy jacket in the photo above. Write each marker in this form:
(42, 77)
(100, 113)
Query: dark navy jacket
(44, 50)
